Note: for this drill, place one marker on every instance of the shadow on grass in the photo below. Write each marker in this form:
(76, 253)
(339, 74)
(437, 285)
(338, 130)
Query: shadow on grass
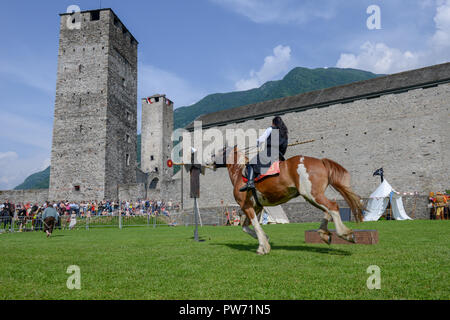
(322, 250)
(200, 239)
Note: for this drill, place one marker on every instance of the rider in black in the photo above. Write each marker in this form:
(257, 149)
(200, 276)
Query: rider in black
(266, 158)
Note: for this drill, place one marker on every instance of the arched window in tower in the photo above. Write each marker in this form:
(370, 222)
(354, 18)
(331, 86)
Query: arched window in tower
(153, 184)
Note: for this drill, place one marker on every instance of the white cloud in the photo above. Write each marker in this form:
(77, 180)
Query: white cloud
(281, 11)
(426, 3)
(27, 135)
(274, 65)
(30, 73)
(380, 58)
(441, 39)
(25, 131)
(14, 169)
(8, 155)
(45, 164)
(154, 80)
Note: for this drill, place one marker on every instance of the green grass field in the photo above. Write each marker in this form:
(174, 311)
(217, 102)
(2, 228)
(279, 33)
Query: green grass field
(165, 263)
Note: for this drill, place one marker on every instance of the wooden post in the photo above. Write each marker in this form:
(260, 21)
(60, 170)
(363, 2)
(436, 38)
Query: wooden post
(195, 170)
(414, 208)
(182, 195)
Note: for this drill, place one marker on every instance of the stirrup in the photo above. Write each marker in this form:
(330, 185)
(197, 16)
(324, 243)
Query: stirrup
(248, 186)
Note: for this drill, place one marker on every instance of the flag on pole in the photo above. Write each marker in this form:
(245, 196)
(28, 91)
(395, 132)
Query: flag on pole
(380, 173)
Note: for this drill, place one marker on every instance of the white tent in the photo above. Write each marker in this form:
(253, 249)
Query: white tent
(379, 201)
(273, 215)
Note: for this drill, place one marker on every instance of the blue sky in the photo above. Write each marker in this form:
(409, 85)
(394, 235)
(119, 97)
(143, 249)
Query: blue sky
(188, 49)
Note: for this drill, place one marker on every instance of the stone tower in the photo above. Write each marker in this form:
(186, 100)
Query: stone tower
(95, 119)
(156, 134)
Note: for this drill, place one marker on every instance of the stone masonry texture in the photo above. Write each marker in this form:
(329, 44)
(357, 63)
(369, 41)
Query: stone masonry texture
(156, 133)
(95, 119)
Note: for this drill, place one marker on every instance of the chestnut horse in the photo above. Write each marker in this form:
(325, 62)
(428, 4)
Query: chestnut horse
(299, 175)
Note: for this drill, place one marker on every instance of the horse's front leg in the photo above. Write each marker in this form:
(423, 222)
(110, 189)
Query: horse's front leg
(246, 224)
(264, 246)
(246, 227)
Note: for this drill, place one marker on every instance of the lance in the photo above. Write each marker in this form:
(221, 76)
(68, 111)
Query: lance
(170, 164)
(289, 145)
(300, 142)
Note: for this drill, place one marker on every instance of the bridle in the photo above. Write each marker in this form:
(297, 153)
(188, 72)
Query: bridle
(223, 163)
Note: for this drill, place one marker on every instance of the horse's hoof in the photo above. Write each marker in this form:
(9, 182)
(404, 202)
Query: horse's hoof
(327, 240)
(260, 252)
(263, 250)
(325, 237)
(350, 238)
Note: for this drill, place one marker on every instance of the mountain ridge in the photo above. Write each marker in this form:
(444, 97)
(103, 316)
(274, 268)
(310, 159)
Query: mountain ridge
(297, 81)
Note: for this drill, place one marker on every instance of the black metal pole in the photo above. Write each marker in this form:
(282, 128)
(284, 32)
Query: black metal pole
(195, 220)
(182, 195)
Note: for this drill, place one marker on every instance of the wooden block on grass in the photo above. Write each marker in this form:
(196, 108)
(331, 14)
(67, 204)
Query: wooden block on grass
(362, 237)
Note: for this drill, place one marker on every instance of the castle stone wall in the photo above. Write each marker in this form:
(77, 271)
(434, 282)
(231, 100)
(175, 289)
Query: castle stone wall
(132, 191)
(297, 212)
(18, 196)
(121, 126)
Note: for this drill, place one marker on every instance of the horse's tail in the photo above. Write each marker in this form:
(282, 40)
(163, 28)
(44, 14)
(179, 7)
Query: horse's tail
(339, 178)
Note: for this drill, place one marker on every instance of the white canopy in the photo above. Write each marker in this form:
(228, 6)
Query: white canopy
(379, 201)
(274, 215)
(383, 190)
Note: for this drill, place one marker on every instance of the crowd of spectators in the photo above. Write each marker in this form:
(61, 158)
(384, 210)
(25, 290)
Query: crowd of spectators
(233, 219)
(24, 212)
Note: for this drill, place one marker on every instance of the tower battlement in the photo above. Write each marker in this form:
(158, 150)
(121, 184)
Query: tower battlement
(88, 16)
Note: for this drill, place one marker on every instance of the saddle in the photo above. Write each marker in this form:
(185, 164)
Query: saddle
(266, 172)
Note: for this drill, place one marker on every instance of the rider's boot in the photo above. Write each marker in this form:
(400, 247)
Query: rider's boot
(251, 180)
